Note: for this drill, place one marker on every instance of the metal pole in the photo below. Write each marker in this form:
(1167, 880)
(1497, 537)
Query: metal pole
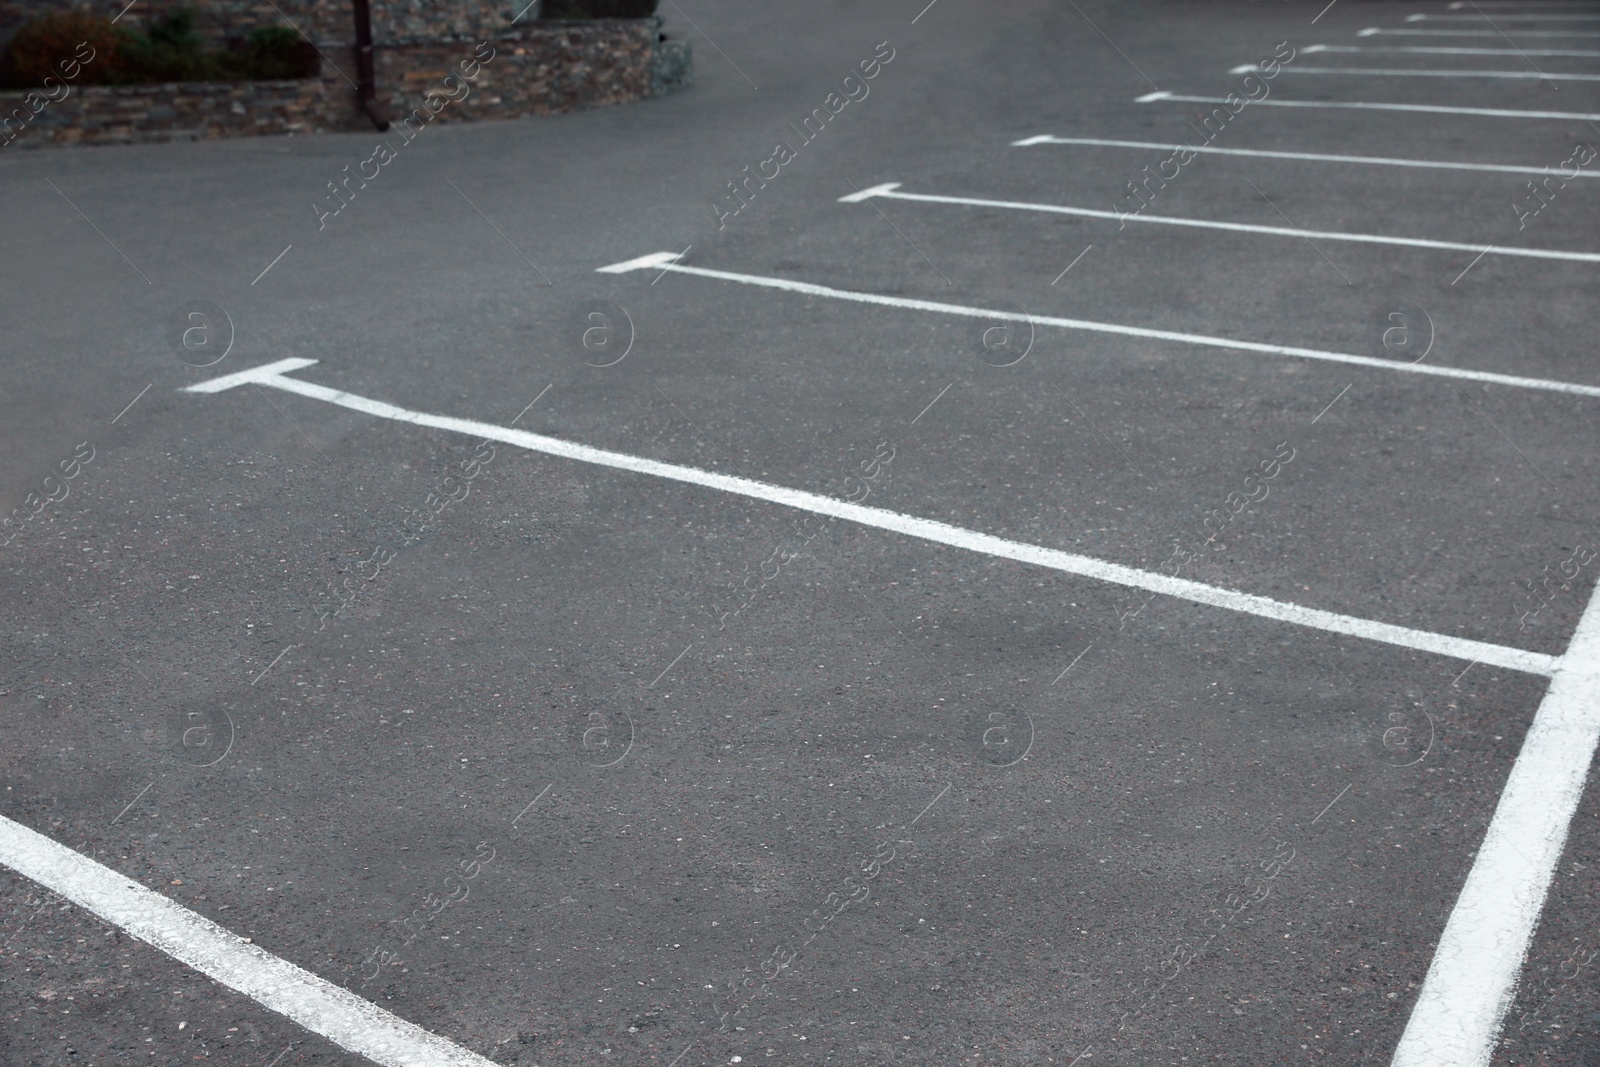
(367, 87)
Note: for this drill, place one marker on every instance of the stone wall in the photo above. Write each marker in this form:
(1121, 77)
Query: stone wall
(175, 111)
(538, 68)
(549, 67)
(328, 22)
(671, 67)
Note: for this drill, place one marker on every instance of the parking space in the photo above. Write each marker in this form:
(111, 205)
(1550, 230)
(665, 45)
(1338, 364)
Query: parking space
(1001, 590)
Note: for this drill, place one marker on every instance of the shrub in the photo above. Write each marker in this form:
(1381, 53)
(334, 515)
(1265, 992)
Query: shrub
(280, 52)
(39, 47)
(272, 52)
(597, 9)
(170, 52)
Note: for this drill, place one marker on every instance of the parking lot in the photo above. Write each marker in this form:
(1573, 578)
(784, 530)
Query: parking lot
(1025, 533)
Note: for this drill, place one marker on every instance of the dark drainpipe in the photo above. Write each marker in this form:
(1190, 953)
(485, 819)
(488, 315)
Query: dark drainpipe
(367, 89)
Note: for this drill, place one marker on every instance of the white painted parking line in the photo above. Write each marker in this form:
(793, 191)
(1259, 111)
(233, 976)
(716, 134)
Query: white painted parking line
(890, 191)
(1308, 157)
(1432, 109)
(1503, 18)
(1473, 976)
(665, 261)
(275, 376)
(1373, 72)
(1521, 5)
(1374, 31)
(1444, 50)
(350, 1022)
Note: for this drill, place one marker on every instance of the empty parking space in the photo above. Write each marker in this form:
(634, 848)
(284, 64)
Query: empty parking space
(922, 607)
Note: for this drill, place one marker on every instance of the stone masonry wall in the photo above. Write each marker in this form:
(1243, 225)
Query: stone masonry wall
(328, 22)
(539, 68)
(547, 68)
(175, 111)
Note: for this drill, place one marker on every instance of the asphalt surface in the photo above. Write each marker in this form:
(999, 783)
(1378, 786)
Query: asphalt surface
(678, 785)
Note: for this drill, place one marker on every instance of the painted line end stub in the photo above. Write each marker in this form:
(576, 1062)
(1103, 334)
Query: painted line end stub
(245, 377)
(654, 259)
(867, 194)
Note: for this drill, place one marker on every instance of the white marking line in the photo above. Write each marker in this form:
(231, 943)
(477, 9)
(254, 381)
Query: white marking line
(273, 375)
(1308, 157)
(1502, 18)
(1205, 340)
(353, 1024)
(1463, 673)
(1373, 31)
(274, 263)
(657, 278)
(1298, 232)
(1444, 51)
(1386, 73)
(1473, 976)
(1523, 5)
(1431, 109)
(891, 192)
(1474, 263)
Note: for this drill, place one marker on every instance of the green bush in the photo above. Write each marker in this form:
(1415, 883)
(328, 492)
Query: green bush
(271, 52)
(280, 52)
(170, 51)
(41, 46)
(597, 9)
